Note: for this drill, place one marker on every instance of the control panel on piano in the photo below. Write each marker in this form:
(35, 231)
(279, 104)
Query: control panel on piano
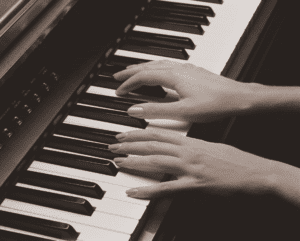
(73, 190)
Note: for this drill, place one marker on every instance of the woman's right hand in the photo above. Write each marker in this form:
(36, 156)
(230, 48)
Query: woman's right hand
(203, 96)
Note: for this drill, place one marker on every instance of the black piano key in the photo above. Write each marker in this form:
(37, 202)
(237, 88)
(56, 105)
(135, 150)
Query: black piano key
(210, 1)
(10, 236)
(86, 133)
(121, 104)
(125, 61)
(111, 116)
(160, 13)
(106, 82)
(4, 136)
(109, 69)
(70, 185)
(83, 147)
(38, 225)
(155, 49)
(173, 41)
(3, 141)
(51, 200)
(171, 24)
(183, 8)
(110, 83)
(79, 162)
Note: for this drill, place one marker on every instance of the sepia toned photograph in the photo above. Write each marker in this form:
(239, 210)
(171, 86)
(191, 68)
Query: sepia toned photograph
(149, 120)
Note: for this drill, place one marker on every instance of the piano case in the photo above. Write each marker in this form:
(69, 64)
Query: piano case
(69, 38)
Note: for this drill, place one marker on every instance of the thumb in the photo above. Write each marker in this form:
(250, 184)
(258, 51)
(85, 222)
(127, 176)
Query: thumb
(158, 190)
(157, 110)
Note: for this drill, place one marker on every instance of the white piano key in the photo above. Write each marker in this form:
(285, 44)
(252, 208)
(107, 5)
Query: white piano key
(112, 191)
(196, 38)
(105, 205)
(99, 107)
(73, 153)
(98, 219)
(131, 54)
(86, 233)
(171, 94)
(12, 230)
(224, 32)
(212, 5)
(79, 139)
(121, 179)
(101, 91)
(79, 121)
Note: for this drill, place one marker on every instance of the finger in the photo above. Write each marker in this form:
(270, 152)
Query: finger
(160, 190)
(129, 72)
(171, 110)
(153, 163)
(145, 148)
(147, 77)
(157, 63)
(151, 135)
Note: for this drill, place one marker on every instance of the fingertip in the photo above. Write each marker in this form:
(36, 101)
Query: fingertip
(137, 193)
(132, 192)
(116, 76)
(122, 136)
(136, 111)
(120, 92)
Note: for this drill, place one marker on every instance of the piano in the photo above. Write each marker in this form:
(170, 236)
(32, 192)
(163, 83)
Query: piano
(59, 110)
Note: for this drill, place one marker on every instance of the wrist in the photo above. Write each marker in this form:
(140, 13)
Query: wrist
(260, 97)
(286, 184)
(253, 98)
(266, 179)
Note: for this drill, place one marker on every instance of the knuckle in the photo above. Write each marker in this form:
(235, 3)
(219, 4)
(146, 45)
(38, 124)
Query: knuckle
(153, 145)
(132, 161)
(126, 146)
(134, 133)
(188, 66)
(145, 74)
(188, 116)
(164, 187)
(167, 62)
(163, 61)
(154, 134)
(153, 160)
(140, 74)
(172, 73)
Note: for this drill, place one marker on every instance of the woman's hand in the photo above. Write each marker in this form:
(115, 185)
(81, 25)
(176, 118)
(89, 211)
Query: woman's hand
(197, 165)
(204, 96)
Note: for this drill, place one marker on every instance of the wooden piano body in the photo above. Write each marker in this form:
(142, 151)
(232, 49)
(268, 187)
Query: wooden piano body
(71, 38)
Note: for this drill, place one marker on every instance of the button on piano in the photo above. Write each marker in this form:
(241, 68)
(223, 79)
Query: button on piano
(59, 111)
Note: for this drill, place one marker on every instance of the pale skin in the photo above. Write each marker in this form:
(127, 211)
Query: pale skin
(201, 166)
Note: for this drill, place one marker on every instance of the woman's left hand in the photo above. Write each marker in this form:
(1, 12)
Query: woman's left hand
(199, 166)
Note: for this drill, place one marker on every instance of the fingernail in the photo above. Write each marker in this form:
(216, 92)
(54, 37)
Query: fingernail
(119, 160)
(132, 192)
(121, 136)
(118, 92)
(116, 75)
(114, 147)
(131, 66)
(135, 111)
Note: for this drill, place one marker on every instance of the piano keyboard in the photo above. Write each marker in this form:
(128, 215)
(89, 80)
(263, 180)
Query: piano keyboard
(85, 197)
(214, 47)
